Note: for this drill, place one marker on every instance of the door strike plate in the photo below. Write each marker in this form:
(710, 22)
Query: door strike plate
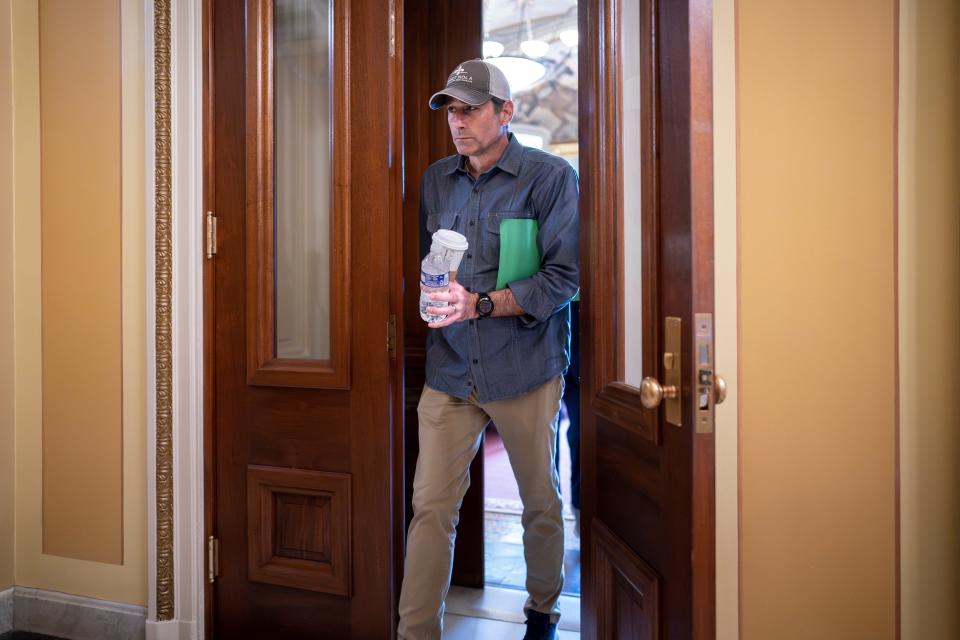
(704, 363)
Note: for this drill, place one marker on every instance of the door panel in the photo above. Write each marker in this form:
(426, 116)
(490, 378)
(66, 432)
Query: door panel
(302, 450)
(648, 472)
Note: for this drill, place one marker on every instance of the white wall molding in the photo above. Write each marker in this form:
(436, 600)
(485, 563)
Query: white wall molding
(187, 331)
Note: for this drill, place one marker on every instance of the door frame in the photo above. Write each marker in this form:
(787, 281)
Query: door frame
(184, 63)
(176, 556)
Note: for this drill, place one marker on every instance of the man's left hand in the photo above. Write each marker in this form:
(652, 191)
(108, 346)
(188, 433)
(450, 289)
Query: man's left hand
(463, 305)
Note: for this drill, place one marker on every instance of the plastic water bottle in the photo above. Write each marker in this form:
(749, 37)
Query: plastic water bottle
(435, 278)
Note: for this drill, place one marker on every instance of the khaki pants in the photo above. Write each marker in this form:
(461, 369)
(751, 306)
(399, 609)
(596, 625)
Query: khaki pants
(450, 431)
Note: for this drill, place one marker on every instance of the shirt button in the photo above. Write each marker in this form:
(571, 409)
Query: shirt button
(472, 223)
(469, 255)
(475, 361)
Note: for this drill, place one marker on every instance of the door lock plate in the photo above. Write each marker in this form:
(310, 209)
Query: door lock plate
(705, 370)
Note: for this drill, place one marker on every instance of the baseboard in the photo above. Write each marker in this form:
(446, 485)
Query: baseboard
(6, 610)
(76, 617)
(171, 630)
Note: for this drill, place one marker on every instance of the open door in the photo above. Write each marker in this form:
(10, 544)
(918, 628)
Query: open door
(302, 162)
(647, 275)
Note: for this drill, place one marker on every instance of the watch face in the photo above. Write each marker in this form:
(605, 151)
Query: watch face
(484, 306)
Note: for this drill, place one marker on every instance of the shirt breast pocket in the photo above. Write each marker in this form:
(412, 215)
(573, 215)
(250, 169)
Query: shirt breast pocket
(443, 220)
(492, 236)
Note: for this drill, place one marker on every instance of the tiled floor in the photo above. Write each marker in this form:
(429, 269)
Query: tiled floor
(497, 613)
(464, 628)
(503, 552)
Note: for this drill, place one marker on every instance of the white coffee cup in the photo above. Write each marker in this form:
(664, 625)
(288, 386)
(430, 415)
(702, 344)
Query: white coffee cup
(451, 245)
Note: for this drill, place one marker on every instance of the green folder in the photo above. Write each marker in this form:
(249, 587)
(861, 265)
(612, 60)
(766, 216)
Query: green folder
(519, 256)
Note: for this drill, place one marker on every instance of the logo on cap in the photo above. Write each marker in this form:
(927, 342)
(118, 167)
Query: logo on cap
(460, 75)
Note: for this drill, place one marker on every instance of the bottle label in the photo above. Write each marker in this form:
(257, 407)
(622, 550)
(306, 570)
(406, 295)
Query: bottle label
(439, 280)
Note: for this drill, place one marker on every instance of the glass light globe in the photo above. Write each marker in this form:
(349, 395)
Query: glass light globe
(534, 48)
(570, 37)
(492, 48)
(521, 72)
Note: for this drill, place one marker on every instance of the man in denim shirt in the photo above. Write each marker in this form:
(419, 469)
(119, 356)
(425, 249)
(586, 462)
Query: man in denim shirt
(498, 354)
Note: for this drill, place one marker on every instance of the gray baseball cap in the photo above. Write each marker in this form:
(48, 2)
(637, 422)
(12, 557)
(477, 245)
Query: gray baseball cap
(474, 82)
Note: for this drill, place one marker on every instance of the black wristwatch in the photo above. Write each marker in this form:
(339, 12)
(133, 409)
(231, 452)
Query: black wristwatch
(484, 305)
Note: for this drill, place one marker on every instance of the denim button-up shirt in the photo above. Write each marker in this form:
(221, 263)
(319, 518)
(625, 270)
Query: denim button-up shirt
(505, 357)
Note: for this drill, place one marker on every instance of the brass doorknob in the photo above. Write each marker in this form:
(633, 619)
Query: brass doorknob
(719, 389)
(652, 392)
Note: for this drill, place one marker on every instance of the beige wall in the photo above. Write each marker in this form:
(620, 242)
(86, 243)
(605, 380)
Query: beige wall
(93, 577)
(6, 304)
(80, 198)
(929, 277)
(817, 152)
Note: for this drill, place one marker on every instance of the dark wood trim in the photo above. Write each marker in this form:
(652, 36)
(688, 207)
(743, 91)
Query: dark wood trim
(595, 33)
(602, 256)
(209, 307)
(650, 234)
(455, 34)
(263, 367)
(701, 201)
(398, 387)
(373, 607)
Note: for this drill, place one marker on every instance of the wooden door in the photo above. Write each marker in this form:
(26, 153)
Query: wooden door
(648, 505)
(303, 445)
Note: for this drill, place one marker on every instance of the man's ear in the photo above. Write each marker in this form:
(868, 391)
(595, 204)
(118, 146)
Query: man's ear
(506, 114)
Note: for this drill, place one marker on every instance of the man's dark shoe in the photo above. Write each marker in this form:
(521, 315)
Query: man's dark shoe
(539, 627)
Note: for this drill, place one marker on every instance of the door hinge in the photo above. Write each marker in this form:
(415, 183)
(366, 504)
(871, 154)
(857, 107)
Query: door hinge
(392, 335)
(211, 235)
(213, 558)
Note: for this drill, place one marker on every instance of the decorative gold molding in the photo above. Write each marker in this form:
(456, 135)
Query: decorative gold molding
(163, 275)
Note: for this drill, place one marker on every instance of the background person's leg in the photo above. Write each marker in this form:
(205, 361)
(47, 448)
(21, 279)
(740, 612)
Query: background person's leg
(528, 426)
(450, 431)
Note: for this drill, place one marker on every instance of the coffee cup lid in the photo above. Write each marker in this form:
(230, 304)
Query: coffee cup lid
(450, 240)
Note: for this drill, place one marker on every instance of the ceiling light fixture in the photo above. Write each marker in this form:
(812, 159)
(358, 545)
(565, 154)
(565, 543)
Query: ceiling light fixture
(570, 37)
(522, 73)
(534, 48)
(492, 48)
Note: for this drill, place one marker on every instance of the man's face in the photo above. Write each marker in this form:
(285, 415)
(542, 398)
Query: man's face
(475, 129)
